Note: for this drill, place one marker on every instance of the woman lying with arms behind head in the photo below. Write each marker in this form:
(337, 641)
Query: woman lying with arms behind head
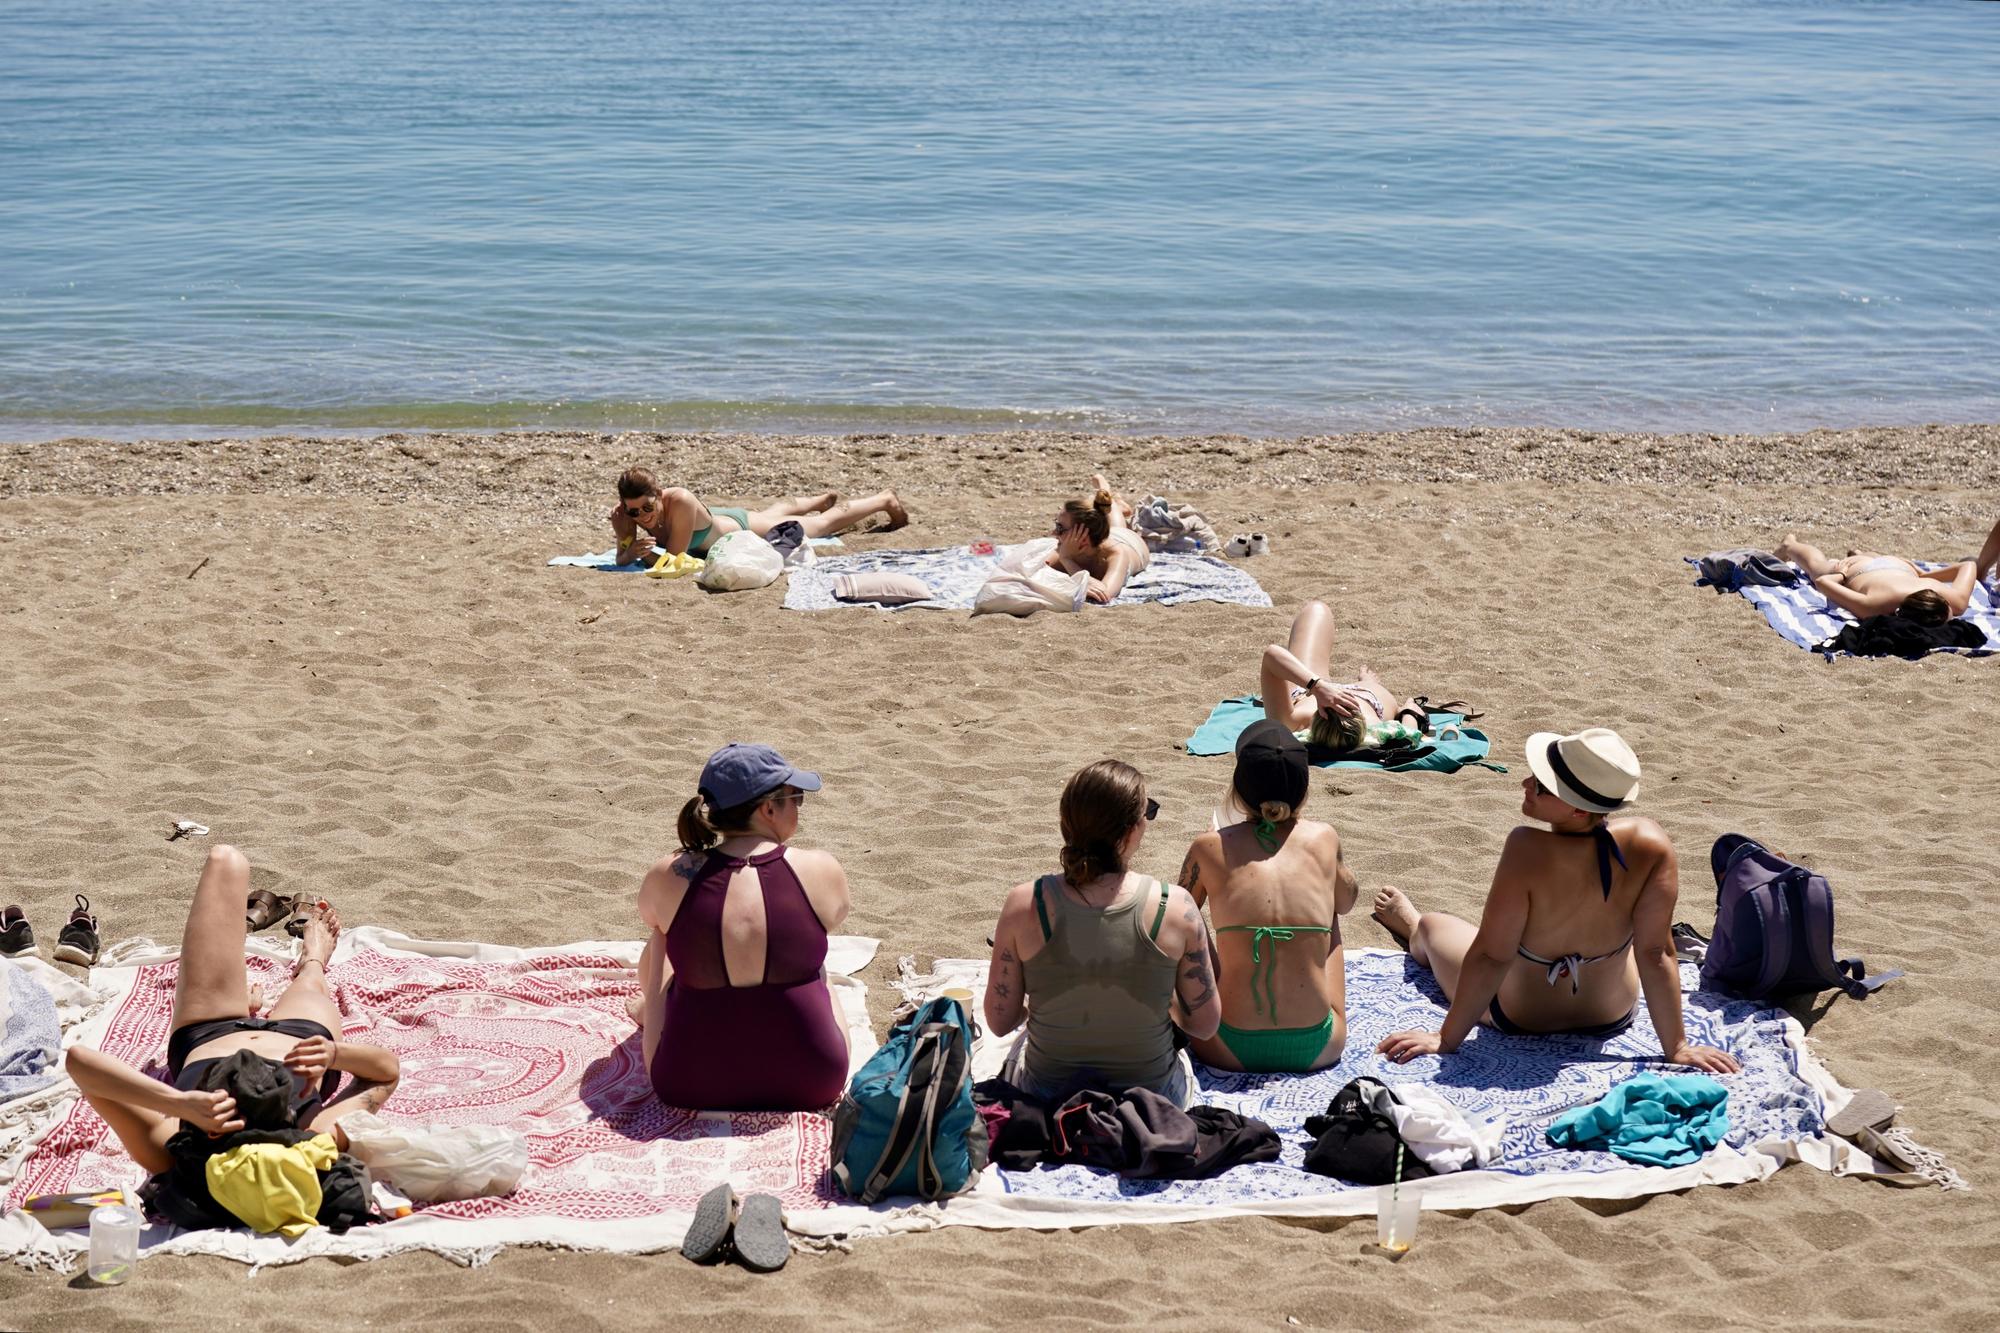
(214, 1017)
(1276, 887)
(650, 519)
(1868, 583)
(1100, 963)
(734, 1009)
(1578, 922)
(1296, 685)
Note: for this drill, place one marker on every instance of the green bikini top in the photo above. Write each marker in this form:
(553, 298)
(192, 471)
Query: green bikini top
(1277, 935)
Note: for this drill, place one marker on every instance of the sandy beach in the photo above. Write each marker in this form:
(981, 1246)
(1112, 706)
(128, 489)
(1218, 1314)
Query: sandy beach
(347, 657)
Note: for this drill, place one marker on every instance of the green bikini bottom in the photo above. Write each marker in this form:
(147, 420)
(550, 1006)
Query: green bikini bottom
(1277, 1050)
(698, 539)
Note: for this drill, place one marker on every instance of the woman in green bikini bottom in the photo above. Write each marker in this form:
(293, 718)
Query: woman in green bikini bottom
(1275, 886)
(650, 520)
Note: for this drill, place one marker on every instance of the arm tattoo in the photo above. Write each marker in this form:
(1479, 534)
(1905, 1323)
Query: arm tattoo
(1196, 974)
(1190, 871)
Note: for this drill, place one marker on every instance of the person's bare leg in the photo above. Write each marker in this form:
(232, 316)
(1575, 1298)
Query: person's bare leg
(850, 512)
(1311, 642)
(798, 506)
(1437, 940)
(1989, 555)
(212, 982)
(1806, 556)
(307, 997)
(1121, 508)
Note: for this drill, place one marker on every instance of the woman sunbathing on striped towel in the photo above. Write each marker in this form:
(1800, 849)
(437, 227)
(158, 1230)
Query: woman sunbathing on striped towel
(1868, 583)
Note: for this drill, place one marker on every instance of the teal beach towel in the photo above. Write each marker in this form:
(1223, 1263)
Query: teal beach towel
(1470, 746)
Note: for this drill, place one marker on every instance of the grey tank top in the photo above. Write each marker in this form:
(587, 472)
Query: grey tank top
(1097, 994)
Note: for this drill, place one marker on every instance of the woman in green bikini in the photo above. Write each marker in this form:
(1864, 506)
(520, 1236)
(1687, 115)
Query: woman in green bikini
(1276, 888)
(650, 520)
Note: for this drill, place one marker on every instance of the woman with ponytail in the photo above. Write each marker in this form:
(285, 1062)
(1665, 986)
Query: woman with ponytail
(734, 1009)
(1276, 888)
(1100, 962)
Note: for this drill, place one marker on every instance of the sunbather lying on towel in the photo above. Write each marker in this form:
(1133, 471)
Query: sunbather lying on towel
(1989, 555)
(1296, 683)
(1868, 583)
(1276, 887)
(1593, 896)
(1097, 536)
(734, 1012)
(649, 520)
(1100, 962)
(215, 1016)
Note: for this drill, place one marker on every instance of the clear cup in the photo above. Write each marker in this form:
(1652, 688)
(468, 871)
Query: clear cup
(1396, 1209)
(114, 1243)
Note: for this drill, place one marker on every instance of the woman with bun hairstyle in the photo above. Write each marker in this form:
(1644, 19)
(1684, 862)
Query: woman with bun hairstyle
(734, 1009)
(1578, 923)
(1276, 888)
(1099, 962)
(1096, 536)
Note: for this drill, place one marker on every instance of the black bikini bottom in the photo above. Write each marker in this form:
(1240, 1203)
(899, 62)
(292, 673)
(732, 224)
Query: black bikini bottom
(1606, 1031)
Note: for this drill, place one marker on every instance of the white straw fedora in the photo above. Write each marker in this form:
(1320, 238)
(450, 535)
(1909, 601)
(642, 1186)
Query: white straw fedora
(1593, 770)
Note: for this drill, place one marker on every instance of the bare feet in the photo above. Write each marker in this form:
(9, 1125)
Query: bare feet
(899, 517)
(1395, 913)
(1788, 548)
(322, 929)
(819, 504)
(256, 998)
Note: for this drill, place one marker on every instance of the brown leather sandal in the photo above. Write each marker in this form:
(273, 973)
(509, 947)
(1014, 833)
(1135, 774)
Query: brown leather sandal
(265, 909)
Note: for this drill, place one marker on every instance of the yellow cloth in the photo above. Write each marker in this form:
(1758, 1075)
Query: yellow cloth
(273, 1186)
(670, 566)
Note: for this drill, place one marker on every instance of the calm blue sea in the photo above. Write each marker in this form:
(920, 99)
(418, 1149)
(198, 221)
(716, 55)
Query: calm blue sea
(1255, 215)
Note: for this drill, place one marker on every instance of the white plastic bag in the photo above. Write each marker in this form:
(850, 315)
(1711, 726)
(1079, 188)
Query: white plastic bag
(1011, 592)
(434, 1163)
(1028, 555)
(738, 561)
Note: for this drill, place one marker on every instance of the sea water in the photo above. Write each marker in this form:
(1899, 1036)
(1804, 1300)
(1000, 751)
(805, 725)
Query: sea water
(1251, 215)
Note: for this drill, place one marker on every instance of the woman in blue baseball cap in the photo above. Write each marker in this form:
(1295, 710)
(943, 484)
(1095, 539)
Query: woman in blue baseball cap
(735, 1012)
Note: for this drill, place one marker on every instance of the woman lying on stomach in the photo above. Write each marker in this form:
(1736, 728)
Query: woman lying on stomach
(1101, 963)
(214, 1017)
(734, 1009)
(1275, 886)
(1096, 536)
(1578, 922)
(650, 519)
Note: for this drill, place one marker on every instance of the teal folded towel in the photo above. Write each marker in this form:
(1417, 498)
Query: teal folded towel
(1447, 755)
(1652, 1119)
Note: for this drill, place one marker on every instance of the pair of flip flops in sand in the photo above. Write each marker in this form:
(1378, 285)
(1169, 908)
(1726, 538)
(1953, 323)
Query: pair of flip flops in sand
(751, 1229)
(265, 909)
(1865, 1122)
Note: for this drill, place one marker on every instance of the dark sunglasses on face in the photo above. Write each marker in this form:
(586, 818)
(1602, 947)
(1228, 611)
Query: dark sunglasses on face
(1152, 809)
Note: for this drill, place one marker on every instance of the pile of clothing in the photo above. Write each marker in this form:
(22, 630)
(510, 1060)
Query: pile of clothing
(1167, 526)
(1139, 1134)
(1371, 1131)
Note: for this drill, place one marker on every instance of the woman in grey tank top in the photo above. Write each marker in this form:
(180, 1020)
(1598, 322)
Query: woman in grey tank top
(1101, 963)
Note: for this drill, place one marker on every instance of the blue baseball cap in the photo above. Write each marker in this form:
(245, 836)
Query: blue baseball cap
(739, 773)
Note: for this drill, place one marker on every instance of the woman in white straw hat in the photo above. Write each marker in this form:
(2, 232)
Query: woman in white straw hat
(1578, 922)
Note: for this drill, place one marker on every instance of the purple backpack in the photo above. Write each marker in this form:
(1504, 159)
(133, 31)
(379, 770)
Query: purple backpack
(1774, 928)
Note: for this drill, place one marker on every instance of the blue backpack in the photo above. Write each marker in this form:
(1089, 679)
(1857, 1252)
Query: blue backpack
(1774, 928)
(906, 1125)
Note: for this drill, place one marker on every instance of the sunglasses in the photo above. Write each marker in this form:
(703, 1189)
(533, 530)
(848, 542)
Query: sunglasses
(797, 798)
(645, 507)
(1152, 809)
